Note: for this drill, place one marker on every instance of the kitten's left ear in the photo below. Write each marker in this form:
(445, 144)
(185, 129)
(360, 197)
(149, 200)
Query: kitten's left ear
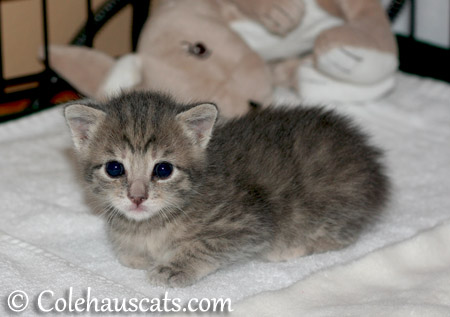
(83, 121)
(198, 122)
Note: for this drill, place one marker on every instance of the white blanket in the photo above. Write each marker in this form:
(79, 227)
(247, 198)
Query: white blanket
(408, 279)
(50, 240)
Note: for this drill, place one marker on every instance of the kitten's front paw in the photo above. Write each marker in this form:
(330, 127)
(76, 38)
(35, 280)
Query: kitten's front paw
(167, 275)
(134, 262)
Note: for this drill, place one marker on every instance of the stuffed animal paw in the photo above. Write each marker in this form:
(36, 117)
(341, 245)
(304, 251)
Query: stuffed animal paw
(355, 64)
(353, 56)
(278, 16)
(316, 86)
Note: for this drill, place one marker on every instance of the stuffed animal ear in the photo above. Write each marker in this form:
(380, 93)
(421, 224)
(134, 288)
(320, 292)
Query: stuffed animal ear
(82, 67)
(124, 75)
(198, 122)
(83, 121)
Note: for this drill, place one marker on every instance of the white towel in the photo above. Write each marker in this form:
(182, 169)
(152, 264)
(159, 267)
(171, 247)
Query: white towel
(411, 278)
(42, 202)
(31, 269)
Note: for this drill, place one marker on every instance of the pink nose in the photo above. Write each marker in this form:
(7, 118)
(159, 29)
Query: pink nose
(137, 199)
(138, 191)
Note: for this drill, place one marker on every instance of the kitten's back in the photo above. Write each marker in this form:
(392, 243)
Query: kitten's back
(309, 162)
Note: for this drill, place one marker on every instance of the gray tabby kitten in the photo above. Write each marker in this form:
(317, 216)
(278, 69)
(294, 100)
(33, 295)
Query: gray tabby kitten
(184, 198)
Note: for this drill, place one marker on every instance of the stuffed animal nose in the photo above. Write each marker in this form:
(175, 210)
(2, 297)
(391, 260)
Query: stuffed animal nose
(254, 104)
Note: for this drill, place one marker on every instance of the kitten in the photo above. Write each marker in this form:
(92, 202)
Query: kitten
(183, 198)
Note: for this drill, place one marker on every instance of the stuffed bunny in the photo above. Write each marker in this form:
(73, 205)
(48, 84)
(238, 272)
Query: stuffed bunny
(233, 52)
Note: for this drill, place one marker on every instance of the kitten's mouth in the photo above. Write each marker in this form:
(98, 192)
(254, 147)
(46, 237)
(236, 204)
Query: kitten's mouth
(139, 212)
(136, 208)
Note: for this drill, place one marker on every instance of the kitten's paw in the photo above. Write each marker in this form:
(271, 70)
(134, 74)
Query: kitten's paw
(134, 262)
(280, 254)
(167, 275)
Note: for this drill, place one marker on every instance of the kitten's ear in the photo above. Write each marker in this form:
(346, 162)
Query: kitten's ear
(83, 122)
(198, 122)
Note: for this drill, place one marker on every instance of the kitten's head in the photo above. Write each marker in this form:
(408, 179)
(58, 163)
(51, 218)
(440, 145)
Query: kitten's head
(141, 153)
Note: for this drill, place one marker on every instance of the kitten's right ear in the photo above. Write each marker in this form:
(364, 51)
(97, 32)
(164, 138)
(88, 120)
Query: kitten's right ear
(198, 122)
(83, 121)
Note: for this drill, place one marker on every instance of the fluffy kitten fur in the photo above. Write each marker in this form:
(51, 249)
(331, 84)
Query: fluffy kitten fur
(274, 184)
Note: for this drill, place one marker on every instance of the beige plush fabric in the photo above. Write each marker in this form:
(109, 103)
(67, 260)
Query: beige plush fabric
(192, 50)
(366, 26)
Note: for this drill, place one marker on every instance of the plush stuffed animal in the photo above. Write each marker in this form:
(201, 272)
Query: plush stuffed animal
(186, 48)
(337, 50)
(233, 52)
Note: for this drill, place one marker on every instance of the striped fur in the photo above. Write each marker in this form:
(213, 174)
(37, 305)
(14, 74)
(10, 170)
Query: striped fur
(274, 184)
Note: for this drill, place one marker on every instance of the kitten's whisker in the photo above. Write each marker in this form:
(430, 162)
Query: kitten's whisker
(173, 205)
(169, 214)
(163, 214)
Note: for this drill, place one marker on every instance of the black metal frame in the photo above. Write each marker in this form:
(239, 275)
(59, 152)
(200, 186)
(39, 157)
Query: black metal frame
(96, 21)
(41, 78)
(433, 59)
(49, 82)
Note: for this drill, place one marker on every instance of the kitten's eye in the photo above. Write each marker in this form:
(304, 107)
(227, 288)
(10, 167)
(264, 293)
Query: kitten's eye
(114, 169)
(163, 170)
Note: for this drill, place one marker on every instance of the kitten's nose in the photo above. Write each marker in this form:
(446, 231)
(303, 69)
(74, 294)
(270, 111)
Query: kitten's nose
(137, 199)
(137, 192)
